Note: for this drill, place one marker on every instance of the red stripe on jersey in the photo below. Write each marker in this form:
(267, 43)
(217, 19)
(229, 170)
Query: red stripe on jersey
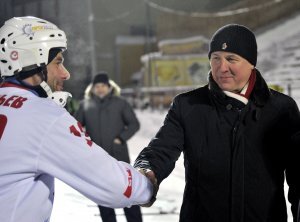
(128, 190)
(9, 84)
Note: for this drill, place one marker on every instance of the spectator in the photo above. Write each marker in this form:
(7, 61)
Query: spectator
(110, 121)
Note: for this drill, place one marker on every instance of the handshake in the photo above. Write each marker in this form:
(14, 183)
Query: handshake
(151, 176)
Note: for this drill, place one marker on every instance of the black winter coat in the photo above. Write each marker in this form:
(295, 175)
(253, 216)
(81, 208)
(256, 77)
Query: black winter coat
(235, 155)
(106, 119)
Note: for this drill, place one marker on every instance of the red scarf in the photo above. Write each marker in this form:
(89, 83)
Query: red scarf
(251, 84)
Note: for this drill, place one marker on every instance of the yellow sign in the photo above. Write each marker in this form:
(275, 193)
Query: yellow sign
(179, 71)
(276, 87)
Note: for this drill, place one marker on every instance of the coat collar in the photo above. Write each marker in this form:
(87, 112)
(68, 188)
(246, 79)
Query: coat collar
(261, 92)
(259, 95)
(105, 99)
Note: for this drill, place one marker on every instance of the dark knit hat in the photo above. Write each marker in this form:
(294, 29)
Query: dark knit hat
(101, 78)
(237, 39)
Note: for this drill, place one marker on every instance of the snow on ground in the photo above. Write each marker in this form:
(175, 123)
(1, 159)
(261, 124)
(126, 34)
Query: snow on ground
(279, 59)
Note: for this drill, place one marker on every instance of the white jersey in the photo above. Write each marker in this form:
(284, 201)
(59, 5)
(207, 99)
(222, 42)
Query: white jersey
(40, 141)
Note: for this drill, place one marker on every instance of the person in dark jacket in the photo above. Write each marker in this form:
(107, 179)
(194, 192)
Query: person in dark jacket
(110, 122)
(239, 139)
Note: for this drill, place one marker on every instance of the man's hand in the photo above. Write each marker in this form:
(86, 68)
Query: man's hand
(151, 176)
(117, 141)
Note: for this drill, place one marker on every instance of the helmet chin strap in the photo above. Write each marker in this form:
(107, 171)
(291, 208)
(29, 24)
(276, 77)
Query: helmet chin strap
(46, 88)
(59, 97)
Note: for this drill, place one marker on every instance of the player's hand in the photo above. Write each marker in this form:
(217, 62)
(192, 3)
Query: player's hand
(151, 176)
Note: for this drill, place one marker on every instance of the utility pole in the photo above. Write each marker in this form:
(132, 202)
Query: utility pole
(92, 37)
(148, 42)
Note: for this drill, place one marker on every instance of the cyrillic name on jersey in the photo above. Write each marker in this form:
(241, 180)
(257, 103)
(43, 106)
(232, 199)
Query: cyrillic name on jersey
(3, 122)
(12, 101)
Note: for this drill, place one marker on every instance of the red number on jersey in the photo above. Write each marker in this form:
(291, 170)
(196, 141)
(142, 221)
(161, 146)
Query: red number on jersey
(3, 122)
(128, 191)
(78, 131)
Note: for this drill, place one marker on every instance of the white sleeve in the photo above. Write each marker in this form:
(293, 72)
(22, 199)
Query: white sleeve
(68, 154)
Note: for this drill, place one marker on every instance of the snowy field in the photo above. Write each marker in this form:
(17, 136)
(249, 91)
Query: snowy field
(279, 59)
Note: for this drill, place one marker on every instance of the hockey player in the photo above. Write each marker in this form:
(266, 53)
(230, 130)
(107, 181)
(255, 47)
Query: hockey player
(40, 141)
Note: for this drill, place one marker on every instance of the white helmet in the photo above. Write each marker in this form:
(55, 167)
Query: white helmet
(25, 43)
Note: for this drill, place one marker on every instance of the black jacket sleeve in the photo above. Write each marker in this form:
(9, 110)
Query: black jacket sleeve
(165, 148)
(132, 124)
(292, 169)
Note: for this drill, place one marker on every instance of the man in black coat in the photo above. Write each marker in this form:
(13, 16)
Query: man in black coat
(239, 138)
(110, 122)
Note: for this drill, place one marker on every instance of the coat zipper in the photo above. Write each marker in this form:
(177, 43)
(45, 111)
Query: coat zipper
(234, 133)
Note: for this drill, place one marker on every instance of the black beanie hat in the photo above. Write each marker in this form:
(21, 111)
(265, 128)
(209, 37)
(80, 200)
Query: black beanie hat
(237, 39)
(101, 78)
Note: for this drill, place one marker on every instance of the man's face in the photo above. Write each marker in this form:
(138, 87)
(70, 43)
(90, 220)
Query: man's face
(57, 73)
(101, 89)
(230, 71)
